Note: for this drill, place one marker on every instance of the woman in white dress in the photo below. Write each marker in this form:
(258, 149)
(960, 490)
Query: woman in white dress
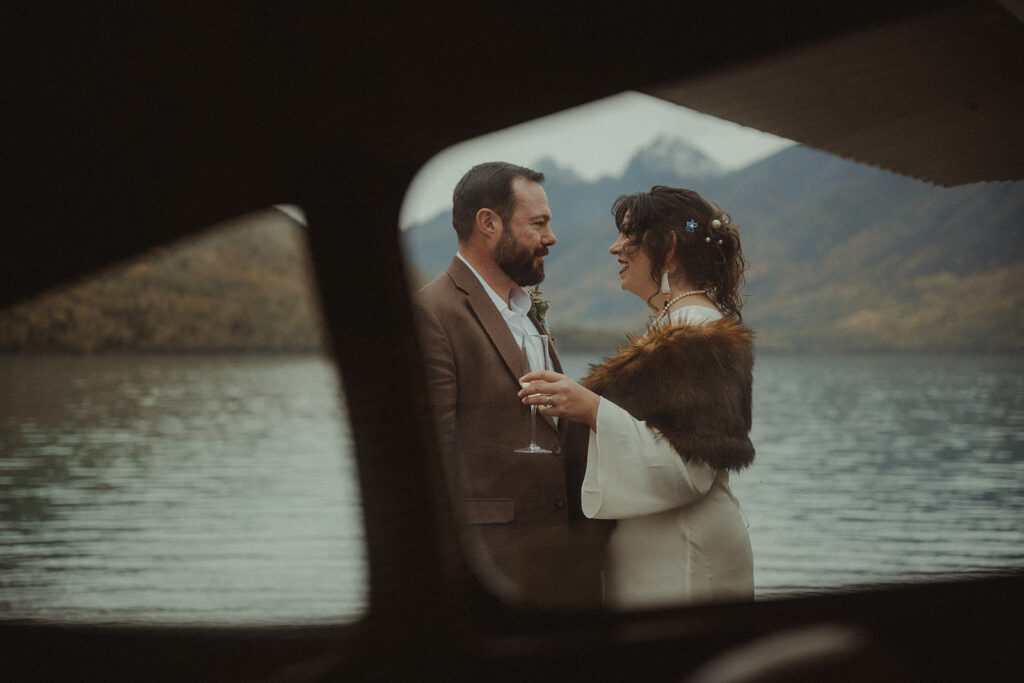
(665, 419)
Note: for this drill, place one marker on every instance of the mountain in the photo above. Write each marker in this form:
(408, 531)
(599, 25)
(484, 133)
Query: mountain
(555, 172)
(244, 285)
(668, 157)
(841, 255)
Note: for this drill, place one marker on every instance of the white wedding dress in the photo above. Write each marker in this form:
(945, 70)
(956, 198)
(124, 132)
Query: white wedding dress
(681, 535)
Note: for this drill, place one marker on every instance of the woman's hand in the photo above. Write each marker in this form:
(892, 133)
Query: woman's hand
(559, 396)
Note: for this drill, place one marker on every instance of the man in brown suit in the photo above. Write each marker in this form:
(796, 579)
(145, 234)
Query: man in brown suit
(471, 319)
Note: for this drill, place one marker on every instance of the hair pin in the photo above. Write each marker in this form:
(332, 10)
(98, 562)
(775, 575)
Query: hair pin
(691, 225)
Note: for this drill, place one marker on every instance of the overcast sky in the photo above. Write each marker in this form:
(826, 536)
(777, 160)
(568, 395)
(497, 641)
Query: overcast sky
(594, 140)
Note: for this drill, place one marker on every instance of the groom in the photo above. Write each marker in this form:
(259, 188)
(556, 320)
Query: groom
(471, 320)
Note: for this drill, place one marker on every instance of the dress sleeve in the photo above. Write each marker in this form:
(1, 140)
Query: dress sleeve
(633, 471)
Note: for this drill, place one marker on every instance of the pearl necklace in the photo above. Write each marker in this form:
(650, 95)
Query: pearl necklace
(664, 309)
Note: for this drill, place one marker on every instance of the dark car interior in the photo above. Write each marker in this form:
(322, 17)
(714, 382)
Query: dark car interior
(128, 128)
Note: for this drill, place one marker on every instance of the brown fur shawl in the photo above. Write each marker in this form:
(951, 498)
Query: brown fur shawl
(690, 382)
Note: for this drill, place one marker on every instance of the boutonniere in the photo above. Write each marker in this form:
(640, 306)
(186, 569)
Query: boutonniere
(539, 305)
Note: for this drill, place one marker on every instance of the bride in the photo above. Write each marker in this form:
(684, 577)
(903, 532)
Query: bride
(669, 414)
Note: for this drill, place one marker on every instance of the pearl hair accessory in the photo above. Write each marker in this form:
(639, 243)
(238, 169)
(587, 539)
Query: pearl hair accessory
(716, 223)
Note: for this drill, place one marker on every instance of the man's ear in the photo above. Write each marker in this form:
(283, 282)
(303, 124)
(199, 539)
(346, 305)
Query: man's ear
(488, 223)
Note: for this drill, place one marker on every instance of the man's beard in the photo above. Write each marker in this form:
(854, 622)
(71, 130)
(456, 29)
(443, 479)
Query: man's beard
(517, 261)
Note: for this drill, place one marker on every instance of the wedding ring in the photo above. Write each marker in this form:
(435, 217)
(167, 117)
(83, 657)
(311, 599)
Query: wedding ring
(549, 401)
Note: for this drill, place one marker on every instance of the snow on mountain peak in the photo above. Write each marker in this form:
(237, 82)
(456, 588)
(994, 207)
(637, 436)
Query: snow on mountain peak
(666, 154)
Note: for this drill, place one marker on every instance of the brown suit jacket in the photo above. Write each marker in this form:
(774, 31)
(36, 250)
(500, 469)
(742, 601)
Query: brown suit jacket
(514, 505)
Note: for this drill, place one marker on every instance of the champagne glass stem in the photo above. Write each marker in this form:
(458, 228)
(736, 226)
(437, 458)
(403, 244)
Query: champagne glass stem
(533, 425)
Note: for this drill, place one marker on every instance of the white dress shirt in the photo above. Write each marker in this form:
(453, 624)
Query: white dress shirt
(514, 312)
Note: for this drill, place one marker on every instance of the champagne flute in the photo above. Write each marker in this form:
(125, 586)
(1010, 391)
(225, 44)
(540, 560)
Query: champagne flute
(535, 356)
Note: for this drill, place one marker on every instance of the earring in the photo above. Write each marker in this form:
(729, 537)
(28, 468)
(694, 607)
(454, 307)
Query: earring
(665, 289)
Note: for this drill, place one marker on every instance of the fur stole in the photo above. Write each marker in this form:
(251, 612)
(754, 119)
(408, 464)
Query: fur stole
(690, 382)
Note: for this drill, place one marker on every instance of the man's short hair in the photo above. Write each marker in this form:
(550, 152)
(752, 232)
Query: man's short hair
(487, 186)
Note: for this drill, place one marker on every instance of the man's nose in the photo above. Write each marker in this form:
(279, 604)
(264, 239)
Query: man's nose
(548, 238)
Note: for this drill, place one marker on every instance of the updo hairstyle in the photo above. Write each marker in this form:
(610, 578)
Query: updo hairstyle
(708, 253)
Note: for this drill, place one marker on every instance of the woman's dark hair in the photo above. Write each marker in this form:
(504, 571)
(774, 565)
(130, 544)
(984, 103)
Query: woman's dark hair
(709, 254)
(487, 186)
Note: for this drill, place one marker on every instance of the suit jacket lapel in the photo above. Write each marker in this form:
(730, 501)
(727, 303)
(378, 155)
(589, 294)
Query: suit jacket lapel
(490, 319)
(495, 326)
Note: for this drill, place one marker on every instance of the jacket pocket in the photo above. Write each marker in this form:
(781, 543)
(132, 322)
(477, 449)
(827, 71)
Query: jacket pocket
(489, 510)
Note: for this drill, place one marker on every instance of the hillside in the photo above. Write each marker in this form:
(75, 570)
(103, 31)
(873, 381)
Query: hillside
(242, 286)
(842, 256)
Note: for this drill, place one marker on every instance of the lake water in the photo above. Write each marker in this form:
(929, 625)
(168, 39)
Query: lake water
(220, 489)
